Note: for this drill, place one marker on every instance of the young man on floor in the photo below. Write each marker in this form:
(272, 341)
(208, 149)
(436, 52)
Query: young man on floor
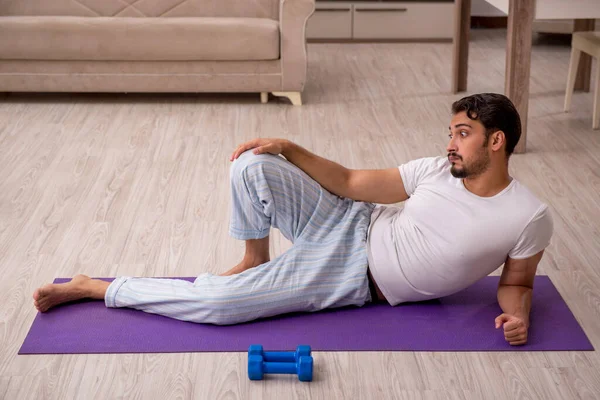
(463, 217)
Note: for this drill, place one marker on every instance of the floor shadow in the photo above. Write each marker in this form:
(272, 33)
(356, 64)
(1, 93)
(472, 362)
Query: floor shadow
(124, 98)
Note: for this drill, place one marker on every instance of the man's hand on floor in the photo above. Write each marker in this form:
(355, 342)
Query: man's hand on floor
(515, 328)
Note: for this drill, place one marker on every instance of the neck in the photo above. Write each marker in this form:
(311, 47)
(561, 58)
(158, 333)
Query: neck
(490, 182)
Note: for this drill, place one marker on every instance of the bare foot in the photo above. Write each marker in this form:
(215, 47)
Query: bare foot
(245, 265)
(51, 295)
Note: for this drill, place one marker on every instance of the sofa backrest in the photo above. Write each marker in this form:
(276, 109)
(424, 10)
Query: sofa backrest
(142, 8)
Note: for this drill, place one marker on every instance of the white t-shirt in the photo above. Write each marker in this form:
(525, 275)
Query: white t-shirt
(446, 238)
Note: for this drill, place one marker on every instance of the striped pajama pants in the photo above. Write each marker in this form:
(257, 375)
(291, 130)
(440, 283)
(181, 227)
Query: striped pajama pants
(326, 267)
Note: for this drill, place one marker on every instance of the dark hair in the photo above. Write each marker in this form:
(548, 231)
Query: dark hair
(496, 113)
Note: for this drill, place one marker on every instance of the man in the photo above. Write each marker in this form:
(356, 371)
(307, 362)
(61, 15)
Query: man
(463, 217)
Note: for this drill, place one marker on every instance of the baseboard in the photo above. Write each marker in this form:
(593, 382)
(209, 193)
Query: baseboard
(489, 22)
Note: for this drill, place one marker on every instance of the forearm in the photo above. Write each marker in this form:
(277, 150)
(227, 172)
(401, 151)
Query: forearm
(330, 175)
(515, 300)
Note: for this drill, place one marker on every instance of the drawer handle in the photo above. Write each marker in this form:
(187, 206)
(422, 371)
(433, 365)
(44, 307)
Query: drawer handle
(333, 9)
(381, 9)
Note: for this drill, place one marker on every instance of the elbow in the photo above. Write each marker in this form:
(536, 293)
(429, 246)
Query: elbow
(349, 185)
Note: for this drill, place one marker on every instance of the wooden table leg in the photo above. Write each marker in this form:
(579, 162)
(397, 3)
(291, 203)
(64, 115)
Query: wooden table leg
(460, 56)
(582, 82)
(518, 60)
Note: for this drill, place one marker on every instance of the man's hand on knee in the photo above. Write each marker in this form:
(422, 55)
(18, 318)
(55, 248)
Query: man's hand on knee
(261, 146)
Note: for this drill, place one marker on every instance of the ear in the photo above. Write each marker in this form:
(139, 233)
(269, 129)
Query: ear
(497, 140)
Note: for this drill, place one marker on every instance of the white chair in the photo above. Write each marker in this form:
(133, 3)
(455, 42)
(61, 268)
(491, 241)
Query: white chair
(588, 42)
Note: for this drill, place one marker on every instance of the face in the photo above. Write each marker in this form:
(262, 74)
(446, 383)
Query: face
(468, 148)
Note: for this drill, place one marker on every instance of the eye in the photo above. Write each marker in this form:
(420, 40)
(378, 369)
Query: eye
(463, 133)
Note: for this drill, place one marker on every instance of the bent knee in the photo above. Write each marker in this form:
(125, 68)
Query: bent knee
(249, 159)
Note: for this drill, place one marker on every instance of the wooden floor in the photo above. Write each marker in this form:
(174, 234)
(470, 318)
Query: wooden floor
(138, 185)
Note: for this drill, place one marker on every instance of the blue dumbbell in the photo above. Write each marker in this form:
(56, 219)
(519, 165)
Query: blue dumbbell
(279, 356)
(299, 362)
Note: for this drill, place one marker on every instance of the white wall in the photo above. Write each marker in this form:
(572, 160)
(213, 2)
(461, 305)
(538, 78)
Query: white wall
(480, 8)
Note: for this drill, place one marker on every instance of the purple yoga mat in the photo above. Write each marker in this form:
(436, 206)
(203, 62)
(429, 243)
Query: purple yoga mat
(460, 322)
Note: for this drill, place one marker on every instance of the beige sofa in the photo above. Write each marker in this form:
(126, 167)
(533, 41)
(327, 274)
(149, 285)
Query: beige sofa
(154, 46)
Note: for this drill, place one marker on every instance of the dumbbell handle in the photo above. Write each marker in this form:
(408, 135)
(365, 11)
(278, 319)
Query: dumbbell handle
(279, 356)
(280, 368)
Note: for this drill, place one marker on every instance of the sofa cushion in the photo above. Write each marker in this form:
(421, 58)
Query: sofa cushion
(143, 8)
(141, 39)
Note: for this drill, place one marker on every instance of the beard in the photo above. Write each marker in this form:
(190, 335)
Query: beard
(477, 166)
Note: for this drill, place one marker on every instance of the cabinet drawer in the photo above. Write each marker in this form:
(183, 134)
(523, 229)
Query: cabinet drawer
(331, 20)
(397, 20)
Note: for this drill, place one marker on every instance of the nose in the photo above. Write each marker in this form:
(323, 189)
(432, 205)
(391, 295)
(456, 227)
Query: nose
(452, 147)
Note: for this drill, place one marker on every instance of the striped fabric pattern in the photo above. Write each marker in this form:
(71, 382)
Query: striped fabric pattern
(325, 268)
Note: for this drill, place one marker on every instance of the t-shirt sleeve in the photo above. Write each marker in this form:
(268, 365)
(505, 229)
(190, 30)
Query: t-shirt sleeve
(536, 235)
(413, 172)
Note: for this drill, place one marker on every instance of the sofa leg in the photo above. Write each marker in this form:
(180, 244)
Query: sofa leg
(264, 97)
(294, 97)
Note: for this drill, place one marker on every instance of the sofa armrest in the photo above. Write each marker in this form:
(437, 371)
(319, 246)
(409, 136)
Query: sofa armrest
(293, 15)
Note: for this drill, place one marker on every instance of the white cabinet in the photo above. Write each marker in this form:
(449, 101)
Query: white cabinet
(380, 20)
(403, 20)
(331, 20)
(557, 25)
